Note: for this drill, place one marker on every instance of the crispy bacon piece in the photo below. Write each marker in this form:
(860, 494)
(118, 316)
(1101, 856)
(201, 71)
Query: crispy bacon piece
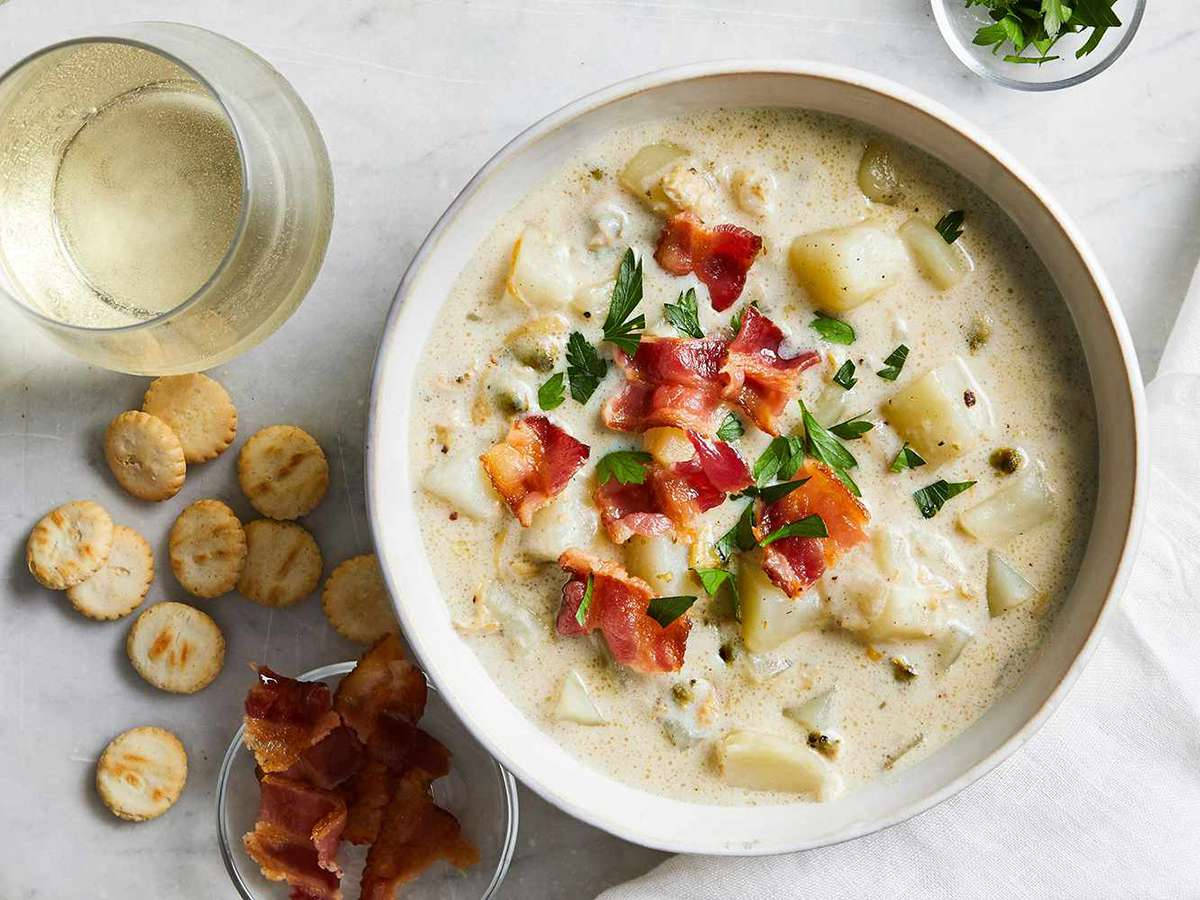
(795, 563)
(297, 835)
(336, 758)
(618, 609)
(669, 381)
(284, 717)
(384, 681)
(719, 256)
(532, 464)
(759, 377)
(413, 835)
(281, 858)
(629, 509)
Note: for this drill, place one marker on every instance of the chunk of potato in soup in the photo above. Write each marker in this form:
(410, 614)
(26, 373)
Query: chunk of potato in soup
(900, 642)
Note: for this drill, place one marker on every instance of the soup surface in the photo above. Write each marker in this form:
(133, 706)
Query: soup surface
(730, 623)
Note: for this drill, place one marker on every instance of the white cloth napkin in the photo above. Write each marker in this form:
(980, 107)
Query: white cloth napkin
(1105, 800)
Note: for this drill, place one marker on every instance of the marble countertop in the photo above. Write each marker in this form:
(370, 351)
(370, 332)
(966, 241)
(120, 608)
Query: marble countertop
(412, 97)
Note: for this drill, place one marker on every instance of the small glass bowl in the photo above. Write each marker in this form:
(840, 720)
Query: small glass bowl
(958, 24)
(478, 790)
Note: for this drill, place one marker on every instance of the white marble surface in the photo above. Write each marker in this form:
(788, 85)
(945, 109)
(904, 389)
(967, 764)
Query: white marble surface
(412, 97)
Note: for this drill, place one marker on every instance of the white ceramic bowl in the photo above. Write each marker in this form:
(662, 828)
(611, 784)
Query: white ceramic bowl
(521, 745)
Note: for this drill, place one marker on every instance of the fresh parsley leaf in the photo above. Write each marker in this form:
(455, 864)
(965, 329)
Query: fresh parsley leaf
(833, 330)
(852, 429)
(731, 429)
(932, 498)
(777, 492)
(1030, 60)
(782, 457)
(619, 328)
(1041, 24)
(809, 526)
(739, 537)
(824, 447)
(685, 315)
(735, 321)
(665, 610)
(585, 368)
(585, 604)
(627, 466)
(714, 579)
(907, 458)
(553, 392)
(1054, 16)
(845, 375)
(1094, 14)
(949, 226)
(893, 364)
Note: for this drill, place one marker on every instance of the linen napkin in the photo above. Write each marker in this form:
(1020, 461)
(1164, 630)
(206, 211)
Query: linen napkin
(1105, 800)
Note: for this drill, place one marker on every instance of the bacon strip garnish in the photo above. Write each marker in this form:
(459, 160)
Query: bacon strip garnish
(333, 760)
(795, 563)
(384, 681)
(619, 610)
(669, 381)
(759, 377)
(533, 464)
(720, 256)
(284, 717)
(309, 817)
(671, 497)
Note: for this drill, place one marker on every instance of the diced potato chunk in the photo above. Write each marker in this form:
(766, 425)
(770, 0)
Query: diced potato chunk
(519, 625)
(1021, 505)
(668, 445)
(459, 479)
(575, 704)
(815, 713)
(842, 268)
(540, 342)
(540, 275)
(952, 644)
(942, 414)
(661, 563)
(908, 613)
(877, 177)
(567, 521)
(1006, 587)
(880, 609)
(769, 616)
(765, 762)
(643, 174)
(831, 405)
(943, 264)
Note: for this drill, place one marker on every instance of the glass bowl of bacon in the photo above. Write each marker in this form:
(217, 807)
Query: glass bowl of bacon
(356, 780)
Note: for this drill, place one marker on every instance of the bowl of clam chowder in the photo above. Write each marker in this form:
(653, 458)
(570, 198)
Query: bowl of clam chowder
(755, 452)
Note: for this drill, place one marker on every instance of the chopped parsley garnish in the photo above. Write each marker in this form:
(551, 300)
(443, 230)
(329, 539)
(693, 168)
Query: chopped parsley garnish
(833, 330)
(1028, 23)
(586, 603)
(665, 610)
(809, 526)
(585, 368)
(845, 375)
(685, 315)
(627, 466)
(949, 226)
(736, 321)
(739, 537)
(907, 458)
(714, 579)
(619, 328)
(932, 498)
(853, 428)
(553, 392)
(776, 492)
(893, 364)
(731, 429)
(782, 457)
(824, 447)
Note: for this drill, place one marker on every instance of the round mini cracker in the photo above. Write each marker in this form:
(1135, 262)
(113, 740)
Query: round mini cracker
(199, 411)
(176, 647)
(141, 773)
(145, 455)
(69, 544)
(283, 563)
(283, 472)
(121, 584)
(207, 549)
(356, 601)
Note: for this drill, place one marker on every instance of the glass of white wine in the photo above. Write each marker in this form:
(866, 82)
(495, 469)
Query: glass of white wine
(165, 197)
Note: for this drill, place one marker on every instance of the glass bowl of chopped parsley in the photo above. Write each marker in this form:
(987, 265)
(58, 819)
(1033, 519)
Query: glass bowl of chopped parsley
(1038, 45)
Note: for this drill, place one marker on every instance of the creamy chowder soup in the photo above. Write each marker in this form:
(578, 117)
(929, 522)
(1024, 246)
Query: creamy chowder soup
(649, 531)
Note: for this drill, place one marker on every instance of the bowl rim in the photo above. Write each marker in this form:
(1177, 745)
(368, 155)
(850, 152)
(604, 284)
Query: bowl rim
(375, 466)
(508, 786)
